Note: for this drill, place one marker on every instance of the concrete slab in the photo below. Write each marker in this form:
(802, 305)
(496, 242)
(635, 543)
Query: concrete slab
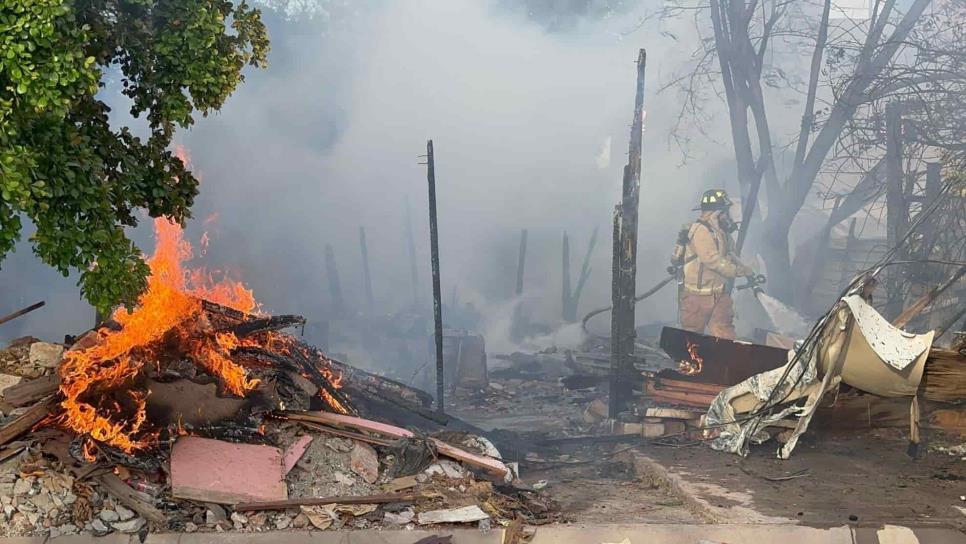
(460, 536)
(557, 534)
(214, 471)
(689, 534)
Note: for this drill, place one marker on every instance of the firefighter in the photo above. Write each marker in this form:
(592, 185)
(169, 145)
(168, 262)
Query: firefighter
(706, 253)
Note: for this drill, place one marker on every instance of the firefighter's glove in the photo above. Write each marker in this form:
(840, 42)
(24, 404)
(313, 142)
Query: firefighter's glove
(744, 270)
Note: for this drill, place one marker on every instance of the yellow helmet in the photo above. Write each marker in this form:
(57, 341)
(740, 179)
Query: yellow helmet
(715, 199)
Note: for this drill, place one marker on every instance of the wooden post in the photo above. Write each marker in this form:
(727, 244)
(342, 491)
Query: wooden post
(521, 261)
(366, 278)
(335, 287)
(616, 355)
(437, 296)
(411, 242)
(627, 269)
(897, 209)
(566, 296)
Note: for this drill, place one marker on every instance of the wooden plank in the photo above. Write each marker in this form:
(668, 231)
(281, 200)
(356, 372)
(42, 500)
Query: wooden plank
(691, 387)
(129, 497)
(30, 391)
(26, 421)
(314, 501)
(491, 466)
(672, 413)
(688, 398)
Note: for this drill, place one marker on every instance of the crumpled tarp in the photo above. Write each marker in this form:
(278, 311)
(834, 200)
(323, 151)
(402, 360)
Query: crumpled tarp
(855, 345)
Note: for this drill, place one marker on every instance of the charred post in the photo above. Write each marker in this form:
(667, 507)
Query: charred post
(627, 254)
(437, 296)
(521, 262)
(366, 278)
(335, 287)
(616, 356)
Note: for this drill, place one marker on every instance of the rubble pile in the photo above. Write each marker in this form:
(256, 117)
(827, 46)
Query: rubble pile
(194, 412)
(47, 491)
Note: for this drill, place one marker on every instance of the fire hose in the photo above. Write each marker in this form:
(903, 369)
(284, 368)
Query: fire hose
(754, 282)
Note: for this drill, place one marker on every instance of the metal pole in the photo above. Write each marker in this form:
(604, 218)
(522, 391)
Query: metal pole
(366, 278)
(437, 296)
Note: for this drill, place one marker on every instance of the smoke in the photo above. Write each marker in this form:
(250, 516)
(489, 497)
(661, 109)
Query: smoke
(329, 139)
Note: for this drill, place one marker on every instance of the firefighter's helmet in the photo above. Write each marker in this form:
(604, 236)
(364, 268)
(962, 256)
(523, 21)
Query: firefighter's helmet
(715, 199)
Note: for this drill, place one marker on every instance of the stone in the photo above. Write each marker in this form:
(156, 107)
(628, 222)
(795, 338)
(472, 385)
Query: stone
(23, 485)
(129, 526)
(109, 516)
(258, 520)
(401, 518)
(123, 513)
(282, 522)
(6, 380)
(99, 527)
(238, 520)
(68, 528)
(364, 461)
(215, 515)
(54, 532)
(190, 527)
(446, 468)
(343, 479)
(207, 470)
(45, 355)
(300, 521)
(466, 514)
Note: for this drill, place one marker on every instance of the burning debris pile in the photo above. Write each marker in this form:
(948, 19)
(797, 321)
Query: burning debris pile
(195, 399)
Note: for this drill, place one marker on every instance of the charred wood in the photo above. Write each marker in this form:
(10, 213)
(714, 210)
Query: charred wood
(28, 419)
(314, 501)
(31, 391)
(129, 497)
(264, 324)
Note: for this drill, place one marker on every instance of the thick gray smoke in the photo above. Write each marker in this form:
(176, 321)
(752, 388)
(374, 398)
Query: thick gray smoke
(530, 122)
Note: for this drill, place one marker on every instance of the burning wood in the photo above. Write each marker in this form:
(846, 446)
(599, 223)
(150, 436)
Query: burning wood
(186, 325)
(694, 365)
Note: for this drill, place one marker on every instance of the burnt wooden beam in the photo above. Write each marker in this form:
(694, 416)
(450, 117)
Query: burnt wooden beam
(34, 415)
(314, 501)
(626, 258)
(30, 391)
(263, 324)
(23, 311)
(129, 497)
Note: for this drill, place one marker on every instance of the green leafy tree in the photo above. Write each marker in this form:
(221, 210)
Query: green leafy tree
(61, 163)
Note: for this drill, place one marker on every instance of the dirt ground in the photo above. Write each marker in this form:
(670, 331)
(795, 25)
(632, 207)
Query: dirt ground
(852, 479)
(865, 479)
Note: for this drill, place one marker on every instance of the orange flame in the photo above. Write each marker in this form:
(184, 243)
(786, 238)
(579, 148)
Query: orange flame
(694, 366)
(172, 297)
